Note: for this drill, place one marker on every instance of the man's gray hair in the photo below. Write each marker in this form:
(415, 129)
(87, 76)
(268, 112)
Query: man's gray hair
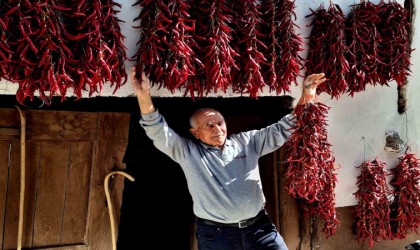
(193, 122)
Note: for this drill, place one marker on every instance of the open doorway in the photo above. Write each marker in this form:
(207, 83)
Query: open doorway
(157, 207)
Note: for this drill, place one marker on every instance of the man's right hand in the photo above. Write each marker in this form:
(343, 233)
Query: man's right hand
(142, 89)
(309, 86)
(141, 86)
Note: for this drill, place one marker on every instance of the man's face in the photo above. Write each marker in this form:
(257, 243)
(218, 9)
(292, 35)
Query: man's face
(210, 128)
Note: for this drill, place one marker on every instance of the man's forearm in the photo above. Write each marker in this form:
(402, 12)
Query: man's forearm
(146, 104)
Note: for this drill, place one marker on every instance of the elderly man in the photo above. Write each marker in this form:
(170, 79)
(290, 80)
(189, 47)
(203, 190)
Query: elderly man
(222, 173)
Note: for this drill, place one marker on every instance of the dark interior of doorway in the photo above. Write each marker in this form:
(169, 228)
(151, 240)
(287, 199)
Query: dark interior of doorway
(157, 207)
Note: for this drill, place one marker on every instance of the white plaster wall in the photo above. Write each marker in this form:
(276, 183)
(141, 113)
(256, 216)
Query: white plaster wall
(357, 125)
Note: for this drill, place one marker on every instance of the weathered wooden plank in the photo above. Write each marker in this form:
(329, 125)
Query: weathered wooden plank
(109, 152)
(5, 147)
(9, 118)
(68, 247)
(12, 205)
(52, 179)
(77, 193)
(49, 125)
(33, 152)
(9, 133)
(13, 194)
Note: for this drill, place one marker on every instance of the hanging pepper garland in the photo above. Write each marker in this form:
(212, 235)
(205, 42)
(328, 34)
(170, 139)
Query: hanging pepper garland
(248, 77)
(405, 208)
(45, 39)
(310, 175)
(363, 41)
(184, 47)
(112, 45)
(5, 49)
(37, 50)
(217, 53)
(180, 65)
(372, 211)
(281, 45)
(328, 49)
(5, 52)
(97, 42)
(154, 25)
(225, 43)
(394, 50)
(166, 51)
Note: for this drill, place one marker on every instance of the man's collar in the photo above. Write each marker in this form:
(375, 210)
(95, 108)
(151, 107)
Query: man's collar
(208, 146)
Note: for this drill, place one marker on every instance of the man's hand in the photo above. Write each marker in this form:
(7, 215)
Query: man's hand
(141, 86)
(142, 89)
(309, 88)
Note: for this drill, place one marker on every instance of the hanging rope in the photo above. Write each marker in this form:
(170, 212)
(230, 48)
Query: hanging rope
(108, 198)
(22, 175)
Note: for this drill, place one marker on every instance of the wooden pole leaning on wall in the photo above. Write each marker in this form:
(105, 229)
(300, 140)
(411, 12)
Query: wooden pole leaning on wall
(22, 176)
(108, 198)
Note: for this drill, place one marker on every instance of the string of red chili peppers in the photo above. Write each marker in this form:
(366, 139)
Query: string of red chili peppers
(405, 208)
(217, 53)
(372, 211)
(248, 77)
(203, 31)
(394, 50)
(154, 25)
(37, 52)
(281, 45)
(180, 67)
(46, 40)
(327, 49)
(96, 38)
(310, 175)
(364, 42)
(5, 51)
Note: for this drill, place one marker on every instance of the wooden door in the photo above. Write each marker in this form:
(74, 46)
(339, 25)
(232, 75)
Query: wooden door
(68, 155)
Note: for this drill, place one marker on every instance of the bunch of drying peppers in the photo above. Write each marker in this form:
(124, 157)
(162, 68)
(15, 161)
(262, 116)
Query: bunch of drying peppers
(395, 51)
(382, 212)
(280, 45)
(372, 212)
(405, 207)
(56, 45)
(364, 43)
(204, 46)
(379, 44)
(328, 49)
(215, 47)
(310, 175)
(371, 46)
(248, 76)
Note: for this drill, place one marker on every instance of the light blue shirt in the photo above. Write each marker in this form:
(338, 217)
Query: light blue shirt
(225, 185)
